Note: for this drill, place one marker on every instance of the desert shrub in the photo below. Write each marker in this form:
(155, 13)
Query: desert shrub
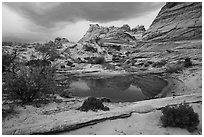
(48, 51)
(181, 115)
(38, 63)
(93, 104)
(30, 83)
(187, 62)
(99, 60)
(174, 68)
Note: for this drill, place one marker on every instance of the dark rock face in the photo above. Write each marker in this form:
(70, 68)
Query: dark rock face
(177, 21)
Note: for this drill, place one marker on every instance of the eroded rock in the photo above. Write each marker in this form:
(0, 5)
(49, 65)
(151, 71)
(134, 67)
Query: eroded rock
(177, 21)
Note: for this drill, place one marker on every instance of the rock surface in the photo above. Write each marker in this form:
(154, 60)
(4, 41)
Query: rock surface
(176, 21)
(111, 34)
(47, 120)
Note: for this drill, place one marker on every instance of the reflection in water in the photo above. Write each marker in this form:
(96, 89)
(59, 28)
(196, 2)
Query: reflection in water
(118, 88)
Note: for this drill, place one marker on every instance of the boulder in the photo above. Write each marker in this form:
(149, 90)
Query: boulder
(139, 28)
(125, 27)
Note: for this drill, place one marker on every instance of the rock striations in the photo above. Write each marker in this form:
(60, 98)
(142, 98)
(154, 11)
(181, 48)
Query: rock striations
(176, 21)
(113, 33)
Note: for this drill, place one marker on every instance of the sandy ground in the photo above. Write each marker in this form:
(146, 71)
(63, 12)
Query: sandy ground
(146, 124)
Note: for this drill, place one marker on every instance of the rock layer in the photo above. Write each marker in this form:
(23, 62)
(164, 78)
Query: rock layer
(176, 21)
(113, 33)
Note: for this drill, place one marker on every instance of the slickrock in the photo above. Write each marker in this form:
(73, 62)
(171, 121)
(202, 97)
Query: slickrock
(176, 21)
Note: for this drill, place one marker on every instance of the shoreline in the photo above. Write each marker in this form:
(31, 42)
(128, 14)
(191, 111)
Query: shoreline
(70, 117)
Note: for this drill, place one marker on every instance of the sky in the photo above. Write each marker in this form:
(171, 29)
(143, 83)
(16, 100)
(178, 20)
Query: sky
(44, 21)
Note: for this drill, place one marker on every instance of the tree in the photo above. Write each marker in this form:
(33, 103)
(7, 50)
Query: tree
(30, 83)
(34, 80)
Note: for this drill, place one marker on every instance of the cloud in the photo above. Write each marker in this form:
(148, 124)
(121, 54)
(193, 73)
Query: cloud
(49, 14)
(41, 22)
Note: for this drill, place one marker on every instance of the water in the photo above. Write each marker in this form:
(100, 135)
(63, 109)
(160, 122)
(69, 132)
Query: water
(118, 88)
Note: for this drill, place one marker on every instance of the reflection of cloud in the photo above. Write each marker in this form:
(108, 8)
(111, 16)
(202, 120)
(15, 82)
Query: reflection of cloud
(48, 14)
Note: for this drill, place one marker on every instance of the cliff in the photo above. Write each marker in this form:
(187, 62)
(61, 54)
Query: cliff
(176, 21)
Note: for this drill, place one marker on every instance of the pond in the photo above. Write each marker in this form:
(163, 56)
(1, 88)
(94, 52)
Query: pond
(126, 88)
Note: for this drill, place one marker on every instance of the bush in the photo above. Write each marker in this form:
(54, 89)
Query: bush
(38, 63)
(30, 83)
(182, 116)
(99, 60)
(48, 51)
(93, 104)
(187, 62)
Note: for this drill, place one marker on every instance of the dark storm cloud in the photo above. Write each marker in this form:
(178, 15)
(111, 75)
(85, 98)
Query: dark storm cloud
(48, 14)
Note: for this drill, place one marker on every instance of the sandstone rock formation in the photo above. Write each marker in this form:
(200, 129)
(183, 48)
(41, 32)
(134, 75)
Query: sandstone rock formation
(62, 40)
(176, 21)
(112, 33)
